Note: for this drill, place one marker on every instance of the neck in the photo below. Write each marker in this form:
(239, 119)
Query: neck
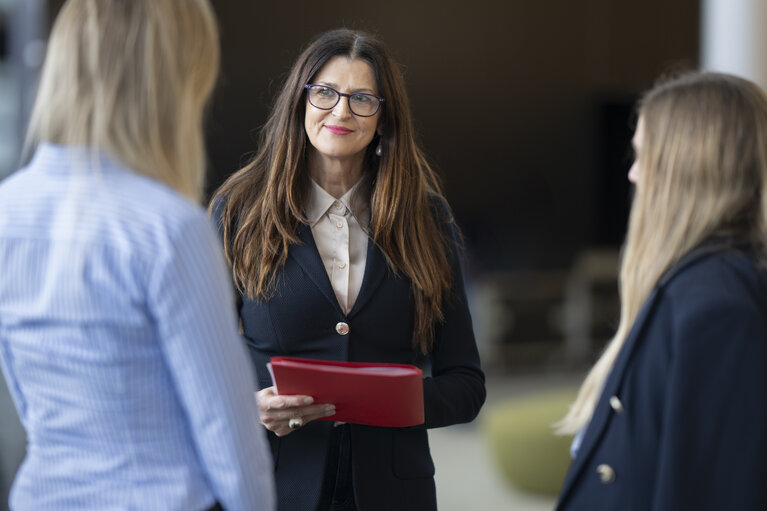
(335, 176)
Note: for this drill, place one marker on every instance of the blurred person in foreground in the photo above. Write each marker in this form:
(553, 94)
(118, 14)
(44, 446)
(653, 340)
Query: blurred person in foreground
(672, 416)
(117, 335)
(344, 249)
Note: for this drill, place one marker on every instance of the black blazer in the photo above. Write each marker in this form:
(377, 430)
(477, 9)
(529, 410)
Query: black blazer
(682, 421)
(392, 467)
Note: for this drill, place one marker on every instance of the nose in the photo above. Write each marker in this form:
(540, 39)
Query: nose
(341, 110)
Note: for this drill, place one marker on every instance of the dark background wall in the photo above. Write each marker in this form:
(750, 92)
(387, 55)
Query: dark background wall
(523, 106)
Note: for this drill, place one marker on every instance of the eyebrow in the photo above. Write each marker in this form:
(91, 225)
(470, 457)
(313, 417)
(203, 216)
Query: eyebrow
(353, 91)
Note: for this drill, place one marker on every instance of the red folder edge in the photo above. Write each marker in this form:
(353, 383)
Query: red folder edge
(373, 399)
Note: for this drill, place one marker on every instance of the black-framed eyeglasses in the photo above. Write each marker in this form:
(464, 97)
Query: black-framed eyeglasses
(326, 98)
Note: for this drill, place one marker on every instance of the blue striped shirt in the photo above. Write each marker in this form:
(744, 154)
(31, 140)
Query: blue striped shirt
(119, 344)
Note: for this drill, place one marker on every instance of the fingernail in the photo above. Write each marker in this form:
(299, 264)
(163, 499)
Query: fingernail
(330, 410)
(308, 400)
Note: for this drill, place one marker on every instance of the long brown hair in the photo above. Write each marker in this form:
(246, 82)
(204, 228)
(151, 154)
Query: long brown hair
(263, 202)
(702, 173)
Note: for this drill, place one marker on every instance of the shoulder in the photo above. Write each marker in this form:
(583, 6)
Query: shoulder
(143, 215)
(717, 276)
(13, 182)
(440, 207)
(155, 207)
(19, 185)
(109, 204)
(719, 296)
(443, 217)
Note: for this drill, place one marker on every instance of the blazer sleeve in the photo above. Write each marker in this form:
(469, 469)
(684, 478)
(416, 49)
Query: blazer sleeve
(713, 450)
(455, 391)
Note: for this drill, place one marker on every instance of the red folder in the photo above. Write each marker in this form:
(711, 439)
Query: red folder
(373, 394)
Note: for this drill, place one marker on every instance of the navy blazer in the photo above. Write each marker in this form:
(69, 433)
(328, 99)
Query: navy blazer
(682, 421)
(392, 467)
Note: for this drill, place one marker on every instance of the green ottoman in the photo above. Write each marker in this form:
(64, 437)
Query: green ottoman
(531, 457)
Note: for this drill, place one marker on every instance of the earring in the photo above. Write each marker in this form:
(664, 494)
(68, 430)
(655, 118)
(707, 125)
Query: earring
(378, 149)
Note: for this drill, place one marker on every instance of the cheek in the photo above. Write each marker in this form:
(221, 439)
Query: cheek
(309, 120)
(312, 116)
(312, 124)
(370, 129)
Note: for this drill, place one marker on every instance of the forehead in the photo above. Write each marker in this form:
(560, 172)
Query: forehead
(347, 73)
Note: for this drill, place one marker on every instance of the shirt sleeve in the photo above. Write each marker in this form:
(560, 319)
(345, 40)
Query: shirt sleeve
(713, 450)
(192, 301)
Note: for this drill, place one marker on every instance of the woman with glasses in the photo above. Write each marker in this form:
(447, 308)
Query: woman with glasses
(343, 248)
(672, 416)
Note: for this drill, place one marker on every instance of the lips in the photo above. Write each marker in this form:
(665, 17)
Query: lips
(337, 130)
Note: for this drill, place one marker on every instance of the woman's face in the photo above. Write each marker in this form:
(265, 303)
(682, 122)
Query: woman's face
(338, 133)
(637, 143)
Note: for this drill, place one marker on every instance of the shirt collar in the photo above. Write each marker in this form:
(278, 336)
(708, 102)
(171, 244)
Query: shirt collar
(64, 158)
(320, 201)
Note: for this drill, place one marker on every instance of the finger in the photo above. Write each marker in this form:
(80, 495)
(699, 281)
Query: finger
(314, 413)
(278, 422)
(283, 428)
(264, 395)
(304, 412)
(268, 399)
(277, 402)
(267, 391)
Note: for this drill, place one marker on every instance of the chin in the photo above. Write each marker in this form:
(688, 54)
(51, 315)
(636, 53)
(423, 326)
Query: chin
(338, 153)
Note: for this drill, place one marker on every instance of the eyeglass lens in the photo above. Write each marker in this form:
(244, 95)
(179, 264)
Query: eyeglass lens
(327, 98)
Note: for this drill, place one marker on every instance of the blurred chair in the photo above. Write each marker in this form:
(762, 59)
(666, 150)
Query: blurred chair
(530, 456)
(592, 305)
(518, 317)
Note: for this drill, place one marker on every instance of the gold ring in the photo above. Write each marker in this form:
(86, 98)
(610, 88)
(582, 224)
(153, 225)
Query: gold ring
(295, 423)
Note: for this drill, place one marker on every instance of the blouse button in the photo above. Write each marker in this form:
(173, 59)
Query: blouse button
(342, 328)
(339, 224)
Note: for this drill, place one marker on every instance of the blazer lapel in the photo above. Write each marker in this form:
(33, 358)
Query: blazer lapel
(308, 257)
(375, 270)
(602, 410)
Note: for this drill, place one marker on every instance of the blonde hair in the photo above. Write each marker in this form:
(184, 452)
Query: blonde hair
(131, 77)
(702, 173)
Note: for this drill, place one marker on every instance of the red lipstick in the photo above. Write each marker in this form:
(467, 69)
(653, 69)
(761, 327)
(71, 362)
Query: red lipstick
(338, 130)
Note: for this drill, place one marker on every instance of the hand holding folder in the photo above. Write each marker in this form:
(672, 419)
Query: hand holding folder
(372, 394)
